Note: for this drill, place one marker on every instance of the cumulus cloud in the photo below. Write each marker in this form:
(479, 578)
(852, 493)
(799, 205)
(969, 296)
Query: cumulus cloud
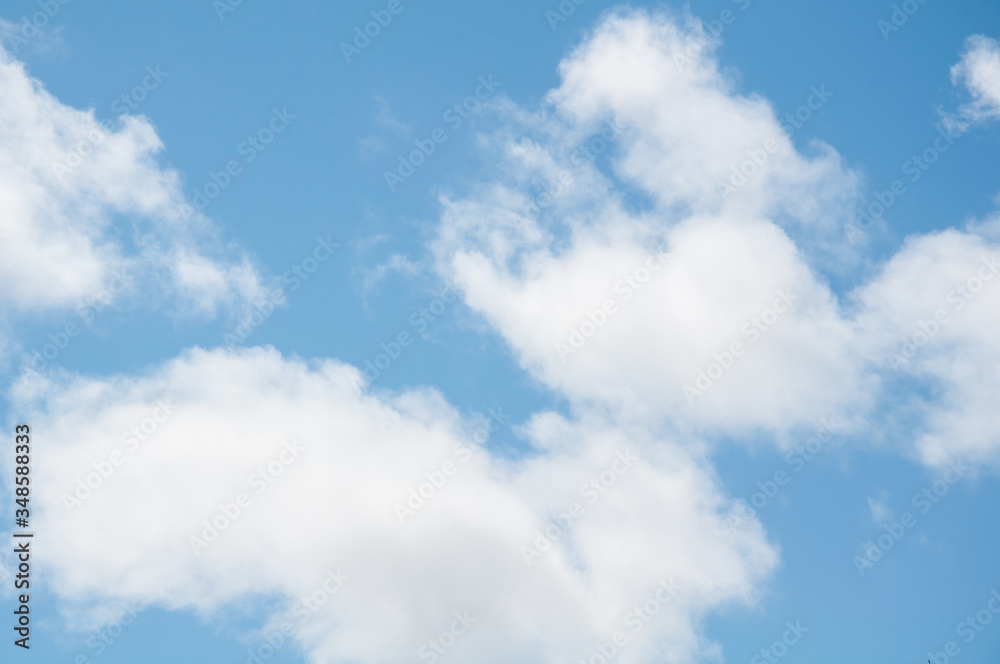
(627, 283)
(627, 286)
(687, 129)
(225, 476)
(548, 554)
(979, 72)
(927, 319)
(666, 299)
(931, 316)
(82, 201)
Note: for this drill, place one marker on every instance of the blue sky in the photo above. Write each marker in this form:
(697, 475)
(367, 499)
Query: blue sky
(327, 131)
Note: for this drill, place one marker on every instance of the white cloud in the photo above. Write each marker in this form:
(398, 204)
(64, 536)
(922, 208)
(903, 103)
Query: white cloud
(979, 72)
(386, 119)
(718, 278)
(537, 265)
(394, 264)
(24, 34)
(687, 128)
(655, 518)
(928, 319)
(80, 200)
(544, 252)
(931, 315)
(879, 510)
(538, 251)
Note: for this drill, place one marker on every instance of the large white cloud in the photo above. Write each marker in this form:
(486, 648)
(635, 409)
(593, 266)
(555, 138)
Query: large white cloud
(85, 205)
(609, 322)
(932, 316)
(616, 286)
(149, 462)
(623, 286)
(654, 515)
(539, 266)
